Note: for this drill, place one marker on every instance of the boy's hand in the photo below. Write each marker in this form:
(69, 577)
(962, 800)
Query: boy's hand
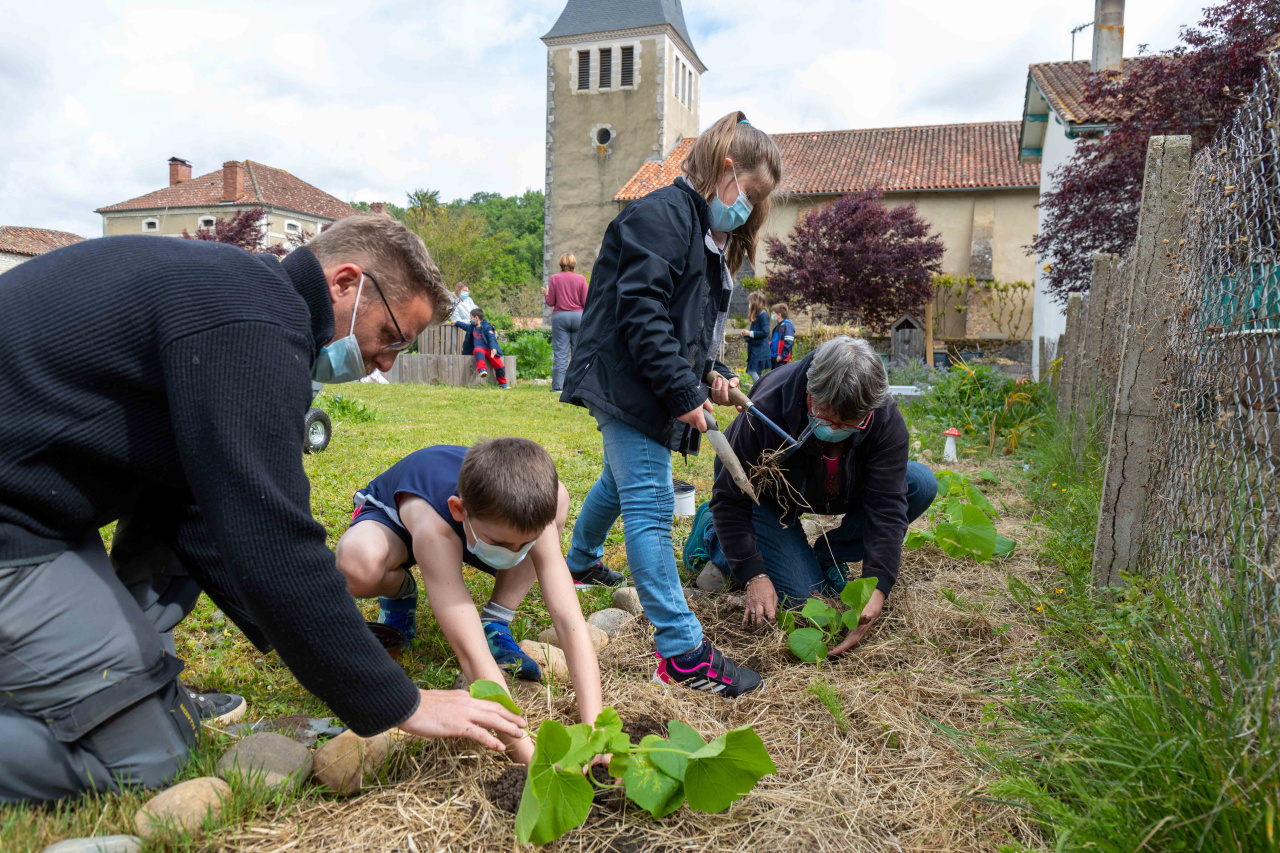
(453, 713)
(695, 419)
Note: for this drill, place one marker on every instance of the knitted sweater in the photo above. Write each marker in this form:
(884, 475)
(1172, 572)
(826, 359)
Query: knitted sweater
(137, 365)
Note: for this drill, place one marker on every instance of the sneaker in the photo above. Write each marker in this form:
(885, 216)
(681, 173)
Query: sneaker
(507, 654)
(713, 673)
(505, 387)
(838, 576)
(483, 374)
(597, 574)
(217, 708)
(401, 613)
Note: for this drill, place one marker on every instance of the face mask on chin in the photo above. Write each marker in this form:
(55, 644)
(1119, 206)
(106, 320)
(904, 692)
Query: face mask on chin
(341, 360)
(495, 556)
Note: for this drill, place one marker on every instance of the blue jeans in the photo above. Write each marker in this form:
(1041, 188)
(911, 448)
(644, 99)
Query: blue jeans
(798, 569)
(636, 483)
(564, 330)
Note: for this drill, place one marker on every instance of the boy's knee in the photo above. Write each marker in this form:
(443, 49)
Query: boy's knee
(562, 508)
(360, 565)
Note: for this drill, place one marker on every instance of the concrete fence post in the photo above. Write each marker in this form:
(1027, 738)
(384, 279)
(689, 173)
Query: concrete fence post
(1090, 390)
(1126, 485)
(1067, 352)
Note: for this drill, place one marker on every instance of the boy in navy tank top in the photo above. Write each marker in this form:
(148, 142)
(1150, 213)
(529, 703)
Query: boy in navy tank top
(499, 507)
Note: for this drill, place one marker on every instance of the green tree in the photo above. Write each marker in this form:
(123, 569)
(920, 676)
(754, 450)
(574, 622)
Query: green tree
(457, 240)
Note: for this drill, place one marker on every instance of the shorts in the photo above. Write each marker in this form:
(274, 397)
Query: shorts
(373, 512)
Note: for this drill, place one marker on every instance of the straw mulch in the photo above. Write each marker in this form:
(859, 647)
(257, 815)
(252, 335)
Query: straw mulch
(892, 780)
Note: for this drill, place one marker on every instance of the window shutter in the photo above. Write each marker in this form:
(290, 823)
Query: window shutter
(606, 68)
(628, 67)
(584, 70)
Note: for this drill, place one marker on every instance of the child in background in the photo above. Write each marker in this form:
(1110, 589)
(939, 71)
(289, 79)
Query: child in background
(757, 336)
(482, 342)
(498, 507)
(784, 336)
(653, 323)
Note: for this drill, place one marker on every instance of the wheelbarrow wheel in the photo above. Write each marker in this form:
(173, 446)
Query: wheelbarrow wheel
(318, 431)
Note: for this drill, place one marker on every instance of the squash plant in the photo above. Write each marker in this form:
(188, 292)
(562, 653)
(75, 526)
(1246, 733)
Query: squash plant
(960, 521)
(814, 644)
(659, 775)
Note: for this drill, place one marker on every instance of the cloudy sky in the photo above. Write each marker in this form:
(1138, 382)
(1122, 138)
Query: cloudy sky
(370, 100)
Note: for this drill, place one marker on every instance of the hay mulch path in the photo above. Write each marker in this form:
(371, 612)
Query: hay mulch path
(886, 777)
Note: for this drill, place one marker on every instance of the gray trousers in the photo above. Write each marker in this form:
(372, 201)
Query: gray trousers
(564, 332)
(89, 692)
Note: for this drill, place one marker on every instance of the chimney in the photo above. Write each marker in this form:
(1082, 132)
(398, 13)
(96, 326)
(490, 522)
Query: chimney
(232, 180)
(378, 207)
(179, 171)
(1108, 35)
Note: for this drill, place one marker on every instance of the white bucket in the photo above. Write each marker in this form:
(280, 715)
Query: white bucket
(686, 498)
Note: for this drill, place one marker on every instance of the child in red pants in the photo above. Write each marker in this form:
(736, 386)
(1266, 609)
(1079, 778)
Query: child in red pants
(482, 342)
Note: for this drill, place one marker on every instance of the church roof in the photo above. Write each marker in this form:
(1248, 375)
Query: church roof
(582, 17)
(894, 159)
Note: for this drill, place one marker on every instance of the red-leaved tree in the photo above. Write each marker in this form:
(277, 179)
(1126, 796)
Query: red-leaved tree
(858, 254)
(246, 229)
(1192, 89)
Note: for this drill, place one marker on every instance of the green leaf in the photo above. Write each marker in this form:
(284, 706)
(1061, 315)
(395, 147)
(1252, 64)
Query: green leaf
(726, 769)
(608, 720)
(980, 501)
(650, 788)
(1004, 546)
(917, 538)
(554, 800)
(977, 533)
(955, 509)
(820, 613)
(857, 594)
(786, 619)
(807, 644)
(986, 475)
(494, 693)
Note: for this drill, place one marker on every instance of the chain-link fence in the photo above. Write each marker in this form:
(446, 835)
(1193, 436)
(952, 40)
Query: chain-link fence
(1214, 500)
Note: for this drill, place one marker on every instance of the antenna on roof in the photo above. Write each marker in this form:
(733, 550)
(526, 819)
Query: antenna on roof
(1075, 30)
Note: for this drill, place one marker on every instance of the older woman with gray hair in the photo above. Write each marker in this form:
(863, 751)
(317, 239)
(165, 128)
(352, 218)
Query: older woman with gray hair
(851, 460)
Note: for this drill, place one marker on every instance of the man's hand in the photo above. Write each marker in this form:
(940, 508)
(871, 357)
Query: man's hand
(868, 618)
(761, 604)
(720, 389)
(695, 419)
(453, 713)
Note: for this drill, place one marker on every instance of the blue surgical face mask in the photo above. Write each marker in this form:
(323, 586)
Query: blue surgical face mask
(495, 556)
(341, 360)
(823, 432)
(729, 217)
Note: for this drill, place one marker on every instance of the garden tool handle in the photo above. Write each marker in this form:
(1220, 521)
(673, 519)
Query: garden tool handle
(736, 397)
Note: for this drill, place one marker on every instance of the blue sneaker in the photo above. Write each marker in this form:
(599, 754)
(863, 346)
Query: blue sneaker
(507, 654)
(838, 576)
(401, 613)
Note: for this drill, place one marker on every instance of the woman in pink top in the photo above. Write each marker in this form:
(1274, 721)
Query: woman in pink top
(567, 295)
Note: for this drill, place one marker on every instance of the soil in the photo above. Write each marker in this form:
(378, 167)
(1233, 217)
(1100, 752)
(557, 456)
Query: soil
(637, 727)
(607, 797)
(505, 791)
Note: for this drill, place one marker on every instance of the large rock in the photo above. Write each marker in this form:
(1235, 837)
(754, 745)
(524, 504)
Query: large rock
(273, 758)
(100, 844)
(345, 763)
(599, 639)
(711, 579)
(550, 658)
(611, 620)
(626, 598)
(184, 806)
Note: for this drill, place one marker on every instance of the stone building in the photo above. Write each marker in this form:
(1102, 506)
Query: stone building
(965, 179)
(18, 244)
(622, 88)
(295, 208)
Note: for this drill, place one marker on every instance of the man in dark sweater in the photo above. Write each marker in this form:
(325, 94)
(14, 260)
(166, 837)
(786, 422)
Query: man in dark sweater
(162, 384)
(852, 461)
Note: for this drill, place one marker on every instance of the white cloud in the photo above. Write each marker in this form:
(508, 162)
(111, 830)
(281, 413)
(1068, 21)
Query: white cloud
(368, 101)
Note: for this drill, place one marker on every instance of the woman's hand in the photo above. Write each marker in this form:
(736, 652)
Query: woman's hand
(746, 333)
(453, 713)
(868, 618)
(761, 602)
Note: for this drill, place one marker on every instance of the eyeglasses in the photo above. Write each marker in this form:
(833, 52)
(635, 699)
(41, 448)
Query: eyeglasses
(403, 343)
(863, 424)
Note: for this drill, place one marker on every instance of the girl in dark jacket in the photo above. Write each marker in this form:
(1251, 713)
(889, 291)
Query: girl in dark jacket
(653, 324)
(757, 336)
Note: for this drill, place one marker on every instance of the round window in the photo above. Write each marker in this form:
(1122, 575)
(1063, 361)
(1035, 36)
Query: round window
(603, 135)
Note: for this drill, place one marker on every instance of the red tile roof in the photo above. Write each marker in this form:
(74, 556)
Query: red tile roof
(1063, 85)
(17, 240)
(263, 185)
(895, 159)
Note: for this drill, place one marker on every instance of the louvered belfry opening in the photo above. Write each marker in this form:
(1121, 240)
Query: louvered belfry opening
(628, 67)
(584, 69)
(606, 68)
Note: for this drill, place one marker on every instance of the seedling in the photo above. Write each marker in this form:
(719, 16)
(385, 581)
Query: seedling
(659, 775)
(960, 522)
(814, 644)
